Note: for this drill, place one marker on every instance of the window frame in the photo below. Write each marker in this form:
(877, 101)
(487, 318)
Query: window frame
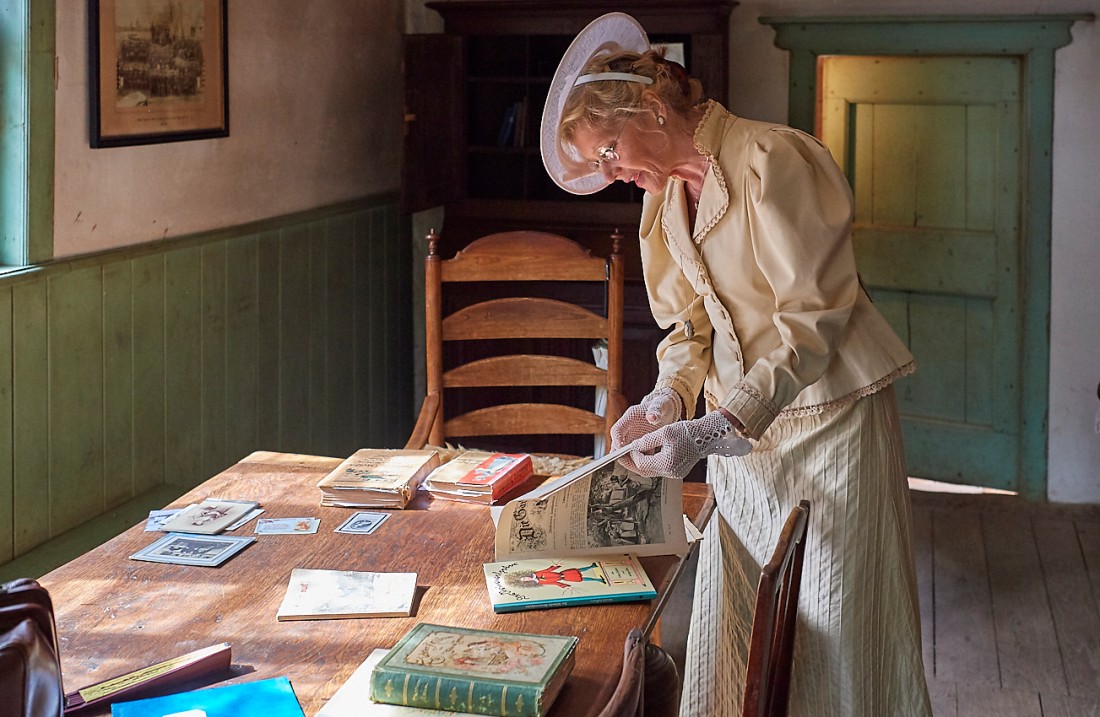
(27, 103)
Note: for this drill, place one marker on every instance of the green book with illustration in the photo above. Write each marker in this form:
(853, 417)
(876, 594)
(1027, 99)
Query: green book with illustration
(486, 672)
(541, 583)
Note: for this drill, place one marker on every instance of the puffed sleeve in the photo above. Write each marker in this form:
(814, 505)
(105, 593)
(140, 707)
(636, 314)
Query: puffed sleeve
(683, 356)
(800, 216)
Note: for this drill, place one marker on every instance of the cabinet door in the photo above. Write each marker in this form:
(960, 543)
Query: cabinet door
(431, 172)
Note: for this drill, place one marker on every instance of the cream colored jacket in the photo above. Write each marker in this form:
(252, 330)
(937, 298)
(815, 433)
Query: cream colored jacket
(766, 312)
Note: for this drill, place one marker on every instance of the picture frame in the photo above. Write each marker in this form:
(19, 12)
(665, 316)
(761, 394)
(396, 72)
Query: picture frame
(158, 71)
(193, 549)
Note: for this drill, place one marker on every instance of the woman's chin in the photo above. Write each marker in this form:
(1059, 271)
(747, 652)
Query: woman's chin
(644, 182)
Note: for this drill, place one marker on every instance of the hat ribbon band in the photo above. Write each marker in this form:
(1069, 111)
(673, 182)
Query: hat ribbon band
(622, 76)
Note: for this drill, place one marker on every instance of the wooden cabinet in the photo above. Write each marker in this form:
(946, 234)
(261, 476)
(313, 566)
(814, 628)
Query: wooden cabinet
(474, 97)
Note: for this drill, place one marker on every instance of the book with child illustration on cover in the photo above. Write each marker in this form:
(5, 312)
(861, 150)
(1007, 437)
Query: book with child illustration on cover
(541, 583)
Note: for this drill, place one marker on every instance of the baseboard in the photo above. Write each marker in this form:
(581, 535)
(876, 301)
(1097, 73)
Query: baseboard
(73, 543)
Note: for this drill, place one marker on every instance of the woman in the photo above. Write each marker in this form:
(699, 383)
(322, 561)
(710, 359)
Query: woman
(748, 263)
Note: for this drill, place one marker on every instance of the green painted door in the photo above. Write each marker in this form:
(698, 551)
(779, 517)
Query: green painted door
(931, 146)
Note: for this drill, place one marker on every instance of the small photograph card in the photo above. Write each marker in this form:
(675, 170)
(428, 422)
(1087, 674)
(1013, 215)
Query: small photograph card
(157, 518)
(209, 517)
(187, 549)
(286, 526)
(363, 522)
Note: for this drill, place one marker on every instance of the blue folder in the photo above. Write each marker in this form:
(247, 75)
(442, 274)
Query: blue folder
(263, 698)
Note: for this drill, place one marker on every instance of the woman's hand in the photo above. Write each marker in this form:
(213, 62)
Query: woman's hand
(659, 408)
(672, 450)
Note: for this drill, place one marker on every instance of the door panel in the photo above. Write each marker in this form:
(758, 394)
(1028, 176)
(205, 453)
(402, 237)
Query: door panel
(931, 147)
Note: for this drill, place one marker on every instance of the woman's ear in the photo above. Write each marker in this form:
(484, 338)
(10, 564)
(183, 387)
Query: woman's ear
(653, 102)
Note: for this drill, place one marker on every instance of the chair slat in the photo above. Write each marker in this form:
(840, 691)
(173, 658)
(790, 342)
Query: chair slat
(523, 317)
(525, 370)
(524, 256)
(523, 419)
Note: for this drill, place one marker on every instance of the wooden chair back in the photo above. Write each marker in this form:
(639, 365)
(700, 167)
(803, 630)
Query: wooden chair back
(531, 281)
(771, 645)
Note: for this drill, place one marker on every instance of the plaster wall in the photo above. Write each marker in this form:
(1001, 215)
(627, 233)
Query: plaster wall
(314, 119)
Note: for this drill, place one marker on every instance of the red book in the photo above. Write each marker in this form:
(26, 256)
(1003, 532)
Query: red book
(479, 476)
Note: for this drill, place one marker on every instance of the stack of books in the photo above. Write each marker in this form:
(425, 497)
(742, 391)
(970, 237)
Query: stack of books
(479, 476)
(377, 478)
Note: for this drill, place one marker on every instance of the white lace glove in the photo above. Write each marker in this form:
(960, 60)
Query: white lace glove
(671, 451)
(659, 408)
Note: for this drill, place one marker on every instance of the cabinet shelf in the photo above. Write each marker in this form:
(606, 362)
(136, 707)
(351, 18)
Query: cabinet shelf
(477, 120)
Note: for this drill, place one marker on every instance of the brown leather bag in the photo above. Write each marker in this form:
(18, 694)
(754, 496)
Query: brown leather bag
(30, 667)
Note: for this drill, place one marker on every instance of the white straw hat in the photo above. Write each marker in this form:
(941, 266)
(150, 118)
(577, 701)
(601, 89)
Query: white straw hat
(607, 34)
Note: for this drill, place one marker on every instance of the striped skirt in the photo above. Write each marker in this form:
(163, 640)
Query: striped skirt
(857, 646)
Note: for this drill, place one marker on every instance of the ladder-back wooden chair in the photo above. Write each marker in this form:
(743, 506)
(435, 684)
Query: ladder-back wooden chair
(771, 644)
(504, 346)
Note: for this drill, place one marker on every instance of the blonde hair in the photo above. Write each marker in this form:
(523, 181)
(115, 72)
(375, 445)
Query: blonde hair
(600, 104)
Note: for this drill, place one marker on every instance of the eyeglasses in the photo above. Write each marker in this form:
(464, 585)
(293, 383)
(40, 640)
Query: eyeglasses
(608, 153)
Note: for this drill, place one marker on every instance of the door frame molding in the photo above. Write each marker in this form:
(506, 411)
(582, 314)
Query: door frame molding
(1032, 38)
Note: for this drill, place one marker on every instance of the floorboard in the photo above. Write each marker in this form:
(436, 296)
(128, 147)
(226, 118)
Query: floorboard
(922, 535)
(1064, 706)
(984, 700)
(1027, 646)
(1073, 606)
(964, 639)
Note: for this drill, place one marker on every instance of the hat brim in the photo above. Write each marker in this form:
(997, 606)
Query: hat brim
(613, 32)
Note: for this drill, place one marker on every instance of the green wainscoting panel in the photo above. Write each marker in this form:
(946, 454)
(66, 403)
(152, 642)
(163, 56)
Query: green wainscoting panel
(159, 366)
(7, 538)
(318, 282)
(30, 416)
(295, 296)
(183, 363)
(75, 330)
(340, 339)
(213, 358)
(118, 384)
(148, 410)
(242, 345)
(267, 363)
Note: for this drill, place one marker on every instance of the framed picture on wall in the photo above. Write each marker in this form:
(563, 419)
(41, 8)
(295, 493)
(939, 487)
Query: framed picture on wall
(158, 71)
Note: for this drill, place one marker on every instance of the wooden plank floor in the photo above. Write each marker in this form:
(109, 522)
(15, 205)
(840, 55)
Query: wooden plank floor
(1009, 602)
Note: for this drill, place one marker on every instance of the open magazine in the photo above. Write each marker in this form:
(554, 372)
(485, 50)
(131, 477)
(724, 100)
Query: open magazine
(599, 508)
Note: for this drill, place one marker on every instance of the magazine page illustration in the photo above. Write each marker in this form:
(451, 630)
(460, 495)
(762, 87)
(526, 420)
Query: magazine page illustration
(600, 508)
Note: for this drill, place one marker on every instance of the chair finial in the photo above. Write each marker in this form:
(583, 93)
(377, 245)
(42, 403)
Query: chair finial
(616, 241)
(433, 242)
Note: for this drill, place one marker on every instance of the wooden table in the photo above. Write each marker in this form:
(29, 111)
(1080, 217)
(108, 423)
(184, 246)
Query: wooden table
(116, 614)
